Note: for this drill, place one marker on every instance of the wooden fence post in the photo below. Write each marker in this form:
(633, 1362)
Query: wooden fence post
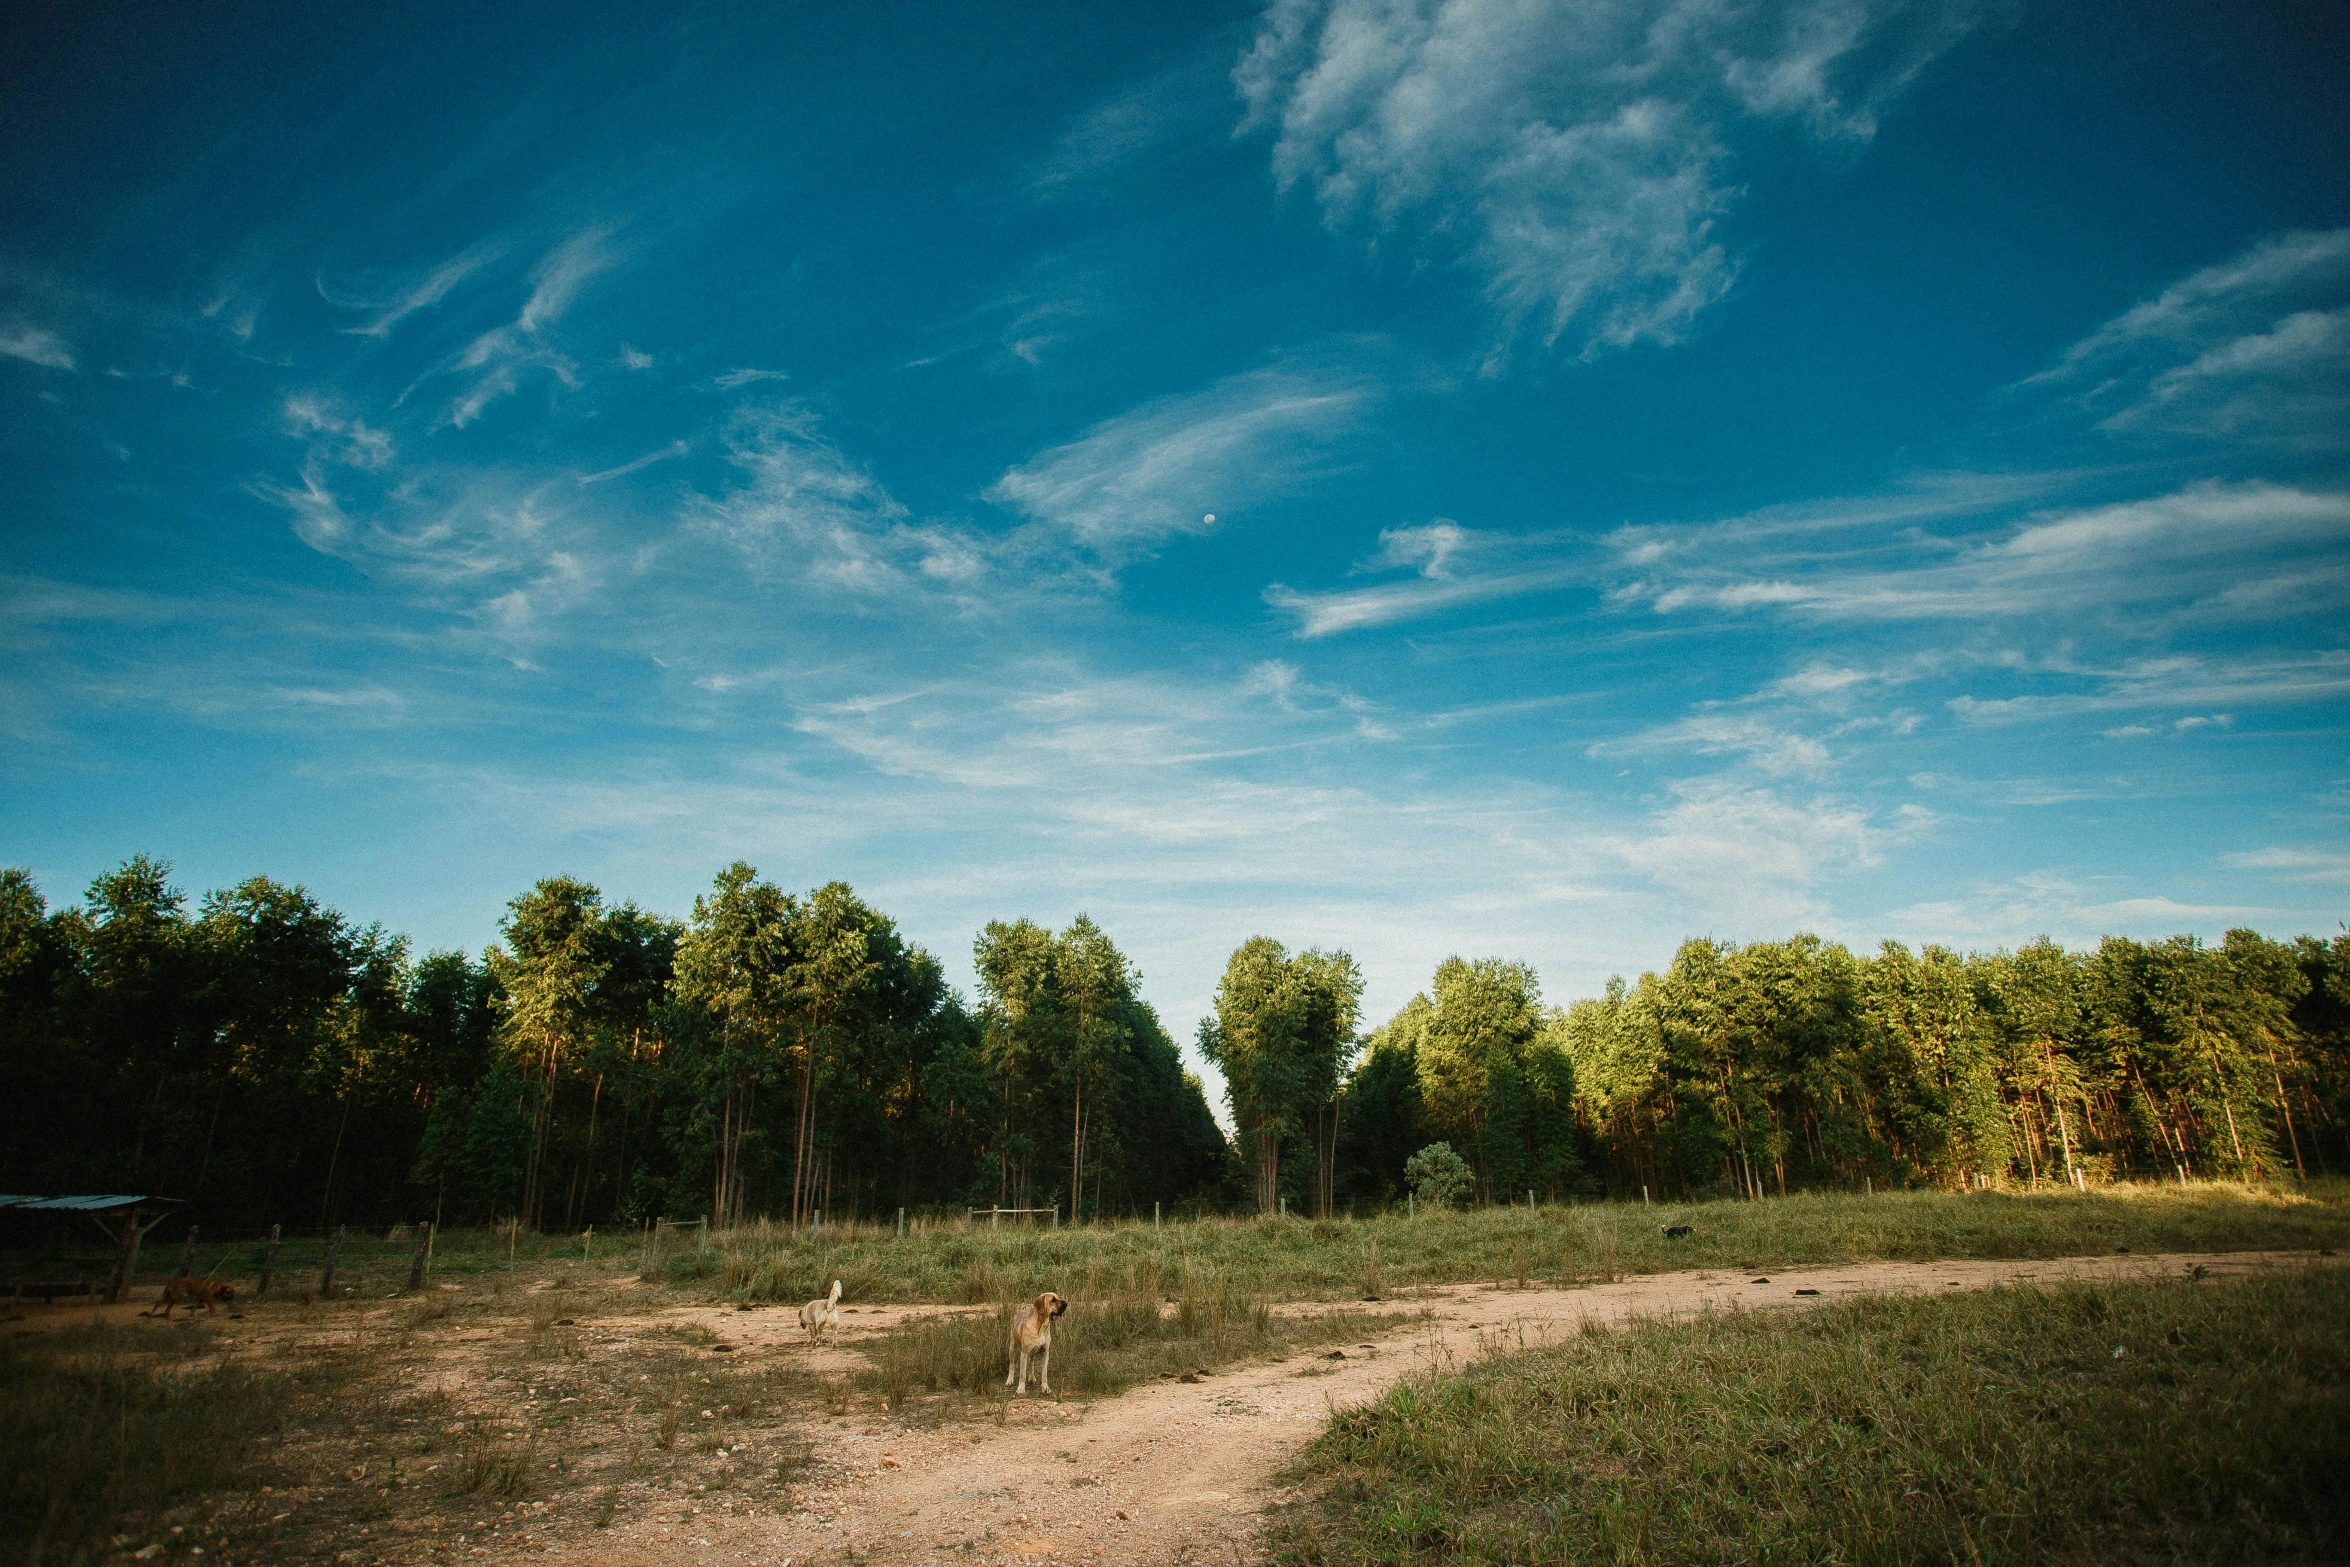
(126, 1256)
(187, 1254)
(268, 1262)
(326, 1275)
(901, 1223)
(416, 1263)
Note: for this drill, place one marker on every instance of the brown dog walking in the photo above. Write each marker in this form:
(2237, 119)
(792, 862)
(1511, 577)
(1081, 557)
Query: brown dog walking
(195, 1291)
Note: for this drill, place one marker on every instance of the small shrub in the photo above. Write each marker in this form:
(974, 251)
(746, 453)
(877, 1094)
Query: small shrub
(1440, 1177)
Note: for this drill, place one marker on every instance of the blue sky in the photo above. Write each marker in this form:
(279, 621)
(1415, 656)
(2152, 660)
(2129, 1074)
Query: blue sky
(1675, 468)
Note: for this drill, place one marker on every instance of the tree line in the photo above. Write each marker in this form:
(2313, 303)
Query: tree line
(1776, 1066)
(779, 1054)
(266, 1059)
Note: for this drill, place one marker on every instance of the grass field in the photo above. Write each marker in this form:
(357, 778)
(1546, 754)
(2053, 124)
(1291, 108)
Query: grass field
(540, 1390)
(1357, 1259)
(2174, 1422)
(1342, 1259)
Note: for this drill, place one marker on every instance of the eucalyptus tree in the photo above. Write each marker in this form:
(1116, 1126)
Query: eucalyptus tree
(840, 948)
(1382, 1123)
(547, 971)
(46, 1113)
(620, 1063)
(1623, 1091)
(1094, 987)
(1255, 1040)
(2036, 992)
(1475, 1068)
(1282, 1031)
(2321, 1021)
(1330, 1009)
(734, 963)
(2265, 983)
(132, 983)
(1927, 1060)
(452, 1019)
(279, 1014)
(1021, 1025)
(2216, 1047)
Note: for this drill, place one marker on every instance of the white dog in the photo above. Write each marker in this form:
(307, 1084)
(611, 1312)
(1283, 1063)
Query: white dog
(817, 1315)
(1032, 1334)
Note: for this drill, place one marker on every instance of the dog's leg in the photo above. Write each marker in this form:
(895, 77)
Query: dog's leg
(1045, 1371)
(1011, 1364)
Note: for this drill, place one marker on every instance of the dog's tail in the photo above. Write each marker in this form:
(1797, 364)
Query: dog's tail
(834, 1298)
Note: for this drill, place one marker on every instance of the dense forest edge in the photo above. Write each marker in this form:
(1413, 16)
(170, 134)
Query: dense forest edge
(267, 1060)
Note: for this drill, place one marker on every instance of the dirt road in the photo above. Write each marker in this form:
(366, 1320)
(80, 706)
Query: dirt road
(1183, 1472)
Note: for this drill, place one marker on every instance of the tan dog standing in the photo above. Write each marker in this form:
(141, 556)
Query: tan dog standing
(193, 1291)
(1032, 1334)
(817, 1315)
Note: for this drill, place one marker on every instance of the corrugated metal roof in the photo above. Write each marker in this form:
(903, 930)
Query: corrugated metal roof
(16, 1201)
(93, 1204)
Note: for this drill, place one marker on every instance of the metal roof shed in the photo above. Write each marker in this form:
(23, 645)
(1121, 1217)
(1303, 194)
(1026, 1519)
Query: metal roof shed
(126, 1230)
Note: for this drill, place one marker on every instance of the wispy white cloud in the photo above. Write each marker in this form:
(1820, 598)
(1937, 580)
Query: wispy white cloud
(804, 508)
(1361, 609)
(2073, 910)
(735, 380)
(557, 279)
(337, 436)
(2215, 550)
(1754, 857)
(2323, 866)
(677, 448)
(1166, 467)
(1768, 746)
(1577, 156)
(1177, 107)
(2214, 684)
(405, 300)
(1459, 566)
(497, 359)
(35, 346)
(2256, 347)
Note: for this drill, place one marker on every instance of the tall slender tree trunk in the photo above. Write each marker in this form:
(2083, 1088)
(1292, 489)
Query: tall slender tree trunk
(802, 1177)
(2056, 1098)
(595, 1102)
(326, 1198)
(2286, 1110)
(1077, 1152)
(725, 1149)
(204, 1165)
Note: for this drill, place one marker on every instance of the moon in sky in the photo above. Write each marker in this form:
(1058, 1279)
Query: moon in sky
(1210, 517)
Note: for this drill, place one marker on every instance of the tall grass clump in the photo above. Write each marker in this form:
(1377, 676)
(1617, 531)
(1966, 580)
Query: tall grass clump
(92, 1433)
(2177, 1421)
(1108, 1342)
